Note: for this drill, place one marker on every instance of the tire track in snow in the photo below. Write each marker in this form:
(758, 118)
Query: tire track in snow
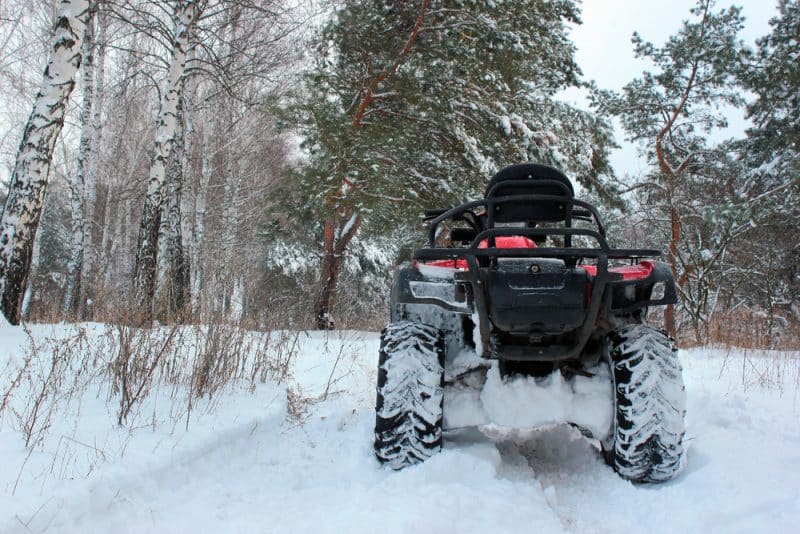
(535, 456)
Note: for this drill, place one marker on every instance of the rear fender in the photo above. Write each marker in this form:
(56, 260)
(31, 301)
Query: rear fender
(424, 296)
(657, 289)
(428, 285)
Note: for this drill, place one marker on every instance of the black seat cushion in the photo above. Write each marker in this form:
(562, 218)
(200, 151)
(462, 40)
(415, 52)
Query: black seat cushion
(529, 179)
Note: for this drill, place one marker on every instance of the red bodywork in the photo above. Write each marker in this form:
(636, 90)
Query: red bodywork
(628, 272)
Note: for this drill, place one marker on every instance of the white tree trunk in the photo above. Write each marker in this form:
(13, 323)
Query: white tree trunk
(116, 247)
(187, 204)
(199, 222)
(26, 300)
(23, 208)
(108, 246)
(231, 266)
(173, 276)
(90, 194)
(144, 272)
(127, 239)
(78, 184)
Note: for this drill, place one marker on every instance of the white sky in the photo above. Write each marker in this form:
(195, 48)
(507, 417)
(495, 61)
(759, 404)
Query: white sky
(605, 53)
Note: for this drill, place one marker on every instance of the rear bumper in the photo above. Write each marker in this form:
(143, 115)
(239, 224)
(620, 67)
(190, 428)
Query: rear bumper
(565, 315)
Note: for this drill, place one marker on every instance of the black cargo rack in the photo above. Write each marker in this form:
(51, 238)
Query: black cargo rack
(480, 257)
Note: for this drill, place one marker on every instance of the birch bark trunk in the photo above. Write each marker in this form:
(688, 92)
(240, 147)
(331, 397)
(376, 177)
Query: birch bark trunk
(144, 272)
(173, 276)
(78, 183)
(227, 276)
(186, 202)
(28, 297)
(23, 207)
(199, 222)
(91, 231)
(108, 245)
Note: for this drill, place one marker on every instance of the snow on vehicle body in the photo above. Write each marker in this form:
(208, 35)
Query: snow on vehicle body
(499, 306)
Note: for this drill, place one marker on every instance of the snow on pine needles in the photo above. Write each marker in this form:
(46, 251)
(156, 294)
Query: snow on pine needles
(234, 431)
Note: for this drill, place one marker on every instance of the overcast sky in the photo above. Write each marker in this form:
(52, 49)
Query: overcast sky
(605, 53)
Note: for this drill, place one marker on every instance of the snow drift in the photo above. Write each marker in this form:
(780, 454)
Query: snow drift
(245, 465)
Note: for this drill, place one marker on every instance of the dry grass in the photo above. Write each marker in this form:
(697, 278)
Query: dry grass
(53, 373)
(764, 369)
(189, 363)
(753, 329)
(57, 389)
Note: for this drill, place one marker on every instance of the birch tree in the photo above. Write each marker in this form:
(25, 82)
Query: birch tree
(90, 223)
(199, 228)
(144, 274)
(173, 262)
(236, 46)
(23, 206)
(79, 180)
(243, 54)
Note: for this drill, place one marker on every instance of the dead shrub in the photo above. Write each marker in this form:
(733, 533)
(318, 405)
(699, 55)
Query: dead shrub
(139, 353)
(753, 329)
(53, 373)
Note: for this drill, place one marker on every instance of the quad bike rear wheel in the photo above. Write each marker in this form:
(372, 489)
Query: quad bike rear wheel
(408, 411)
(646, 443)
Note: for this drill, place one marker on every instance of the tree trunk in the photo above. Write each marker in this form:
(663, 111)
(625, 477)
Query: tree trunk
(675, 235)
(28, 298)
(186, 202)
(173, 262)
(91, 229)
(199, 223)
(230, 267)
(110, 241)
(336, 240)
(23, 207)
(77, 186)
(144, 272)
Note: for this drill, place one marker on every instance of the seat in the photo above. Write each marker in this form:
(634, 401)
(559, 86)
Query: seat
(529, 179)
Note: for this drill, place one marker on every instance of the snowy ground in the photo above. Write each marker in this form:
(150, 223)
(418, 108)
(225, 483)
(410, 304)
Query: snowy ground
(245, 466)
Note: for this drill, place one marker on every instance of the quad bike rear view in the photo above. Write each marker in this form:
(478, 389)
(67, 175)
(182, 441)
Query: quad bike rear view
(523, 283)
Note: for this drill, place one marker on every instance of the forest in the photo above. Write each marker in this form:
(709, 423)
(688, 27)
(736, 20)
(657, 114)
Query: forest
(266, 163)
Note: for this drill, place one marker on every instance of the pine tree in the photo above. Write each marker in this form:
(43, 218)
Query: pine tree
(416, 104)
(775, 138)
(670, 112)
(772, 155)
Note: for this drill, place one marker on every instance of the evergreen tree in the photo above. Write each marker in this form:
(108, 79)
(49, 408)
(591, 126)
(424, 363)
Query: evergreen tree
(670, 113)
(416, 104)
(775, 138)
(772, 154)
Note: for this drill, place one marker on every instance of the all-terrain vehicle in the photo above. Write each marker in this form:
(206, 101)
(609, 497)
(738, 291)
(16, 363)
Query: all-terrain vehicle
(522, 289)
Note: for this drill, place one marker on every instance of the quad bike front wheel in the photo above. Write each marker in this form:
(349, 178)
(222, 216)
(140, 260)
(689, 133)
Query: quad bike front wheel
(408, 411)
(646, 443)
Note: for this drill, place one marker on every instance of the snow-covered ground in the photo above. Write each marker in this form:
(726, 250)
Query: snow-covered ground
(244, 465)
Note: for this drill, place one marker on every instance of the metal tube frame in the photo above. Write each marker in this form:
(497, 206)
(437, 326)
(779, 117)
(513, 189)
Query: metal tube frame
(472, 254)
